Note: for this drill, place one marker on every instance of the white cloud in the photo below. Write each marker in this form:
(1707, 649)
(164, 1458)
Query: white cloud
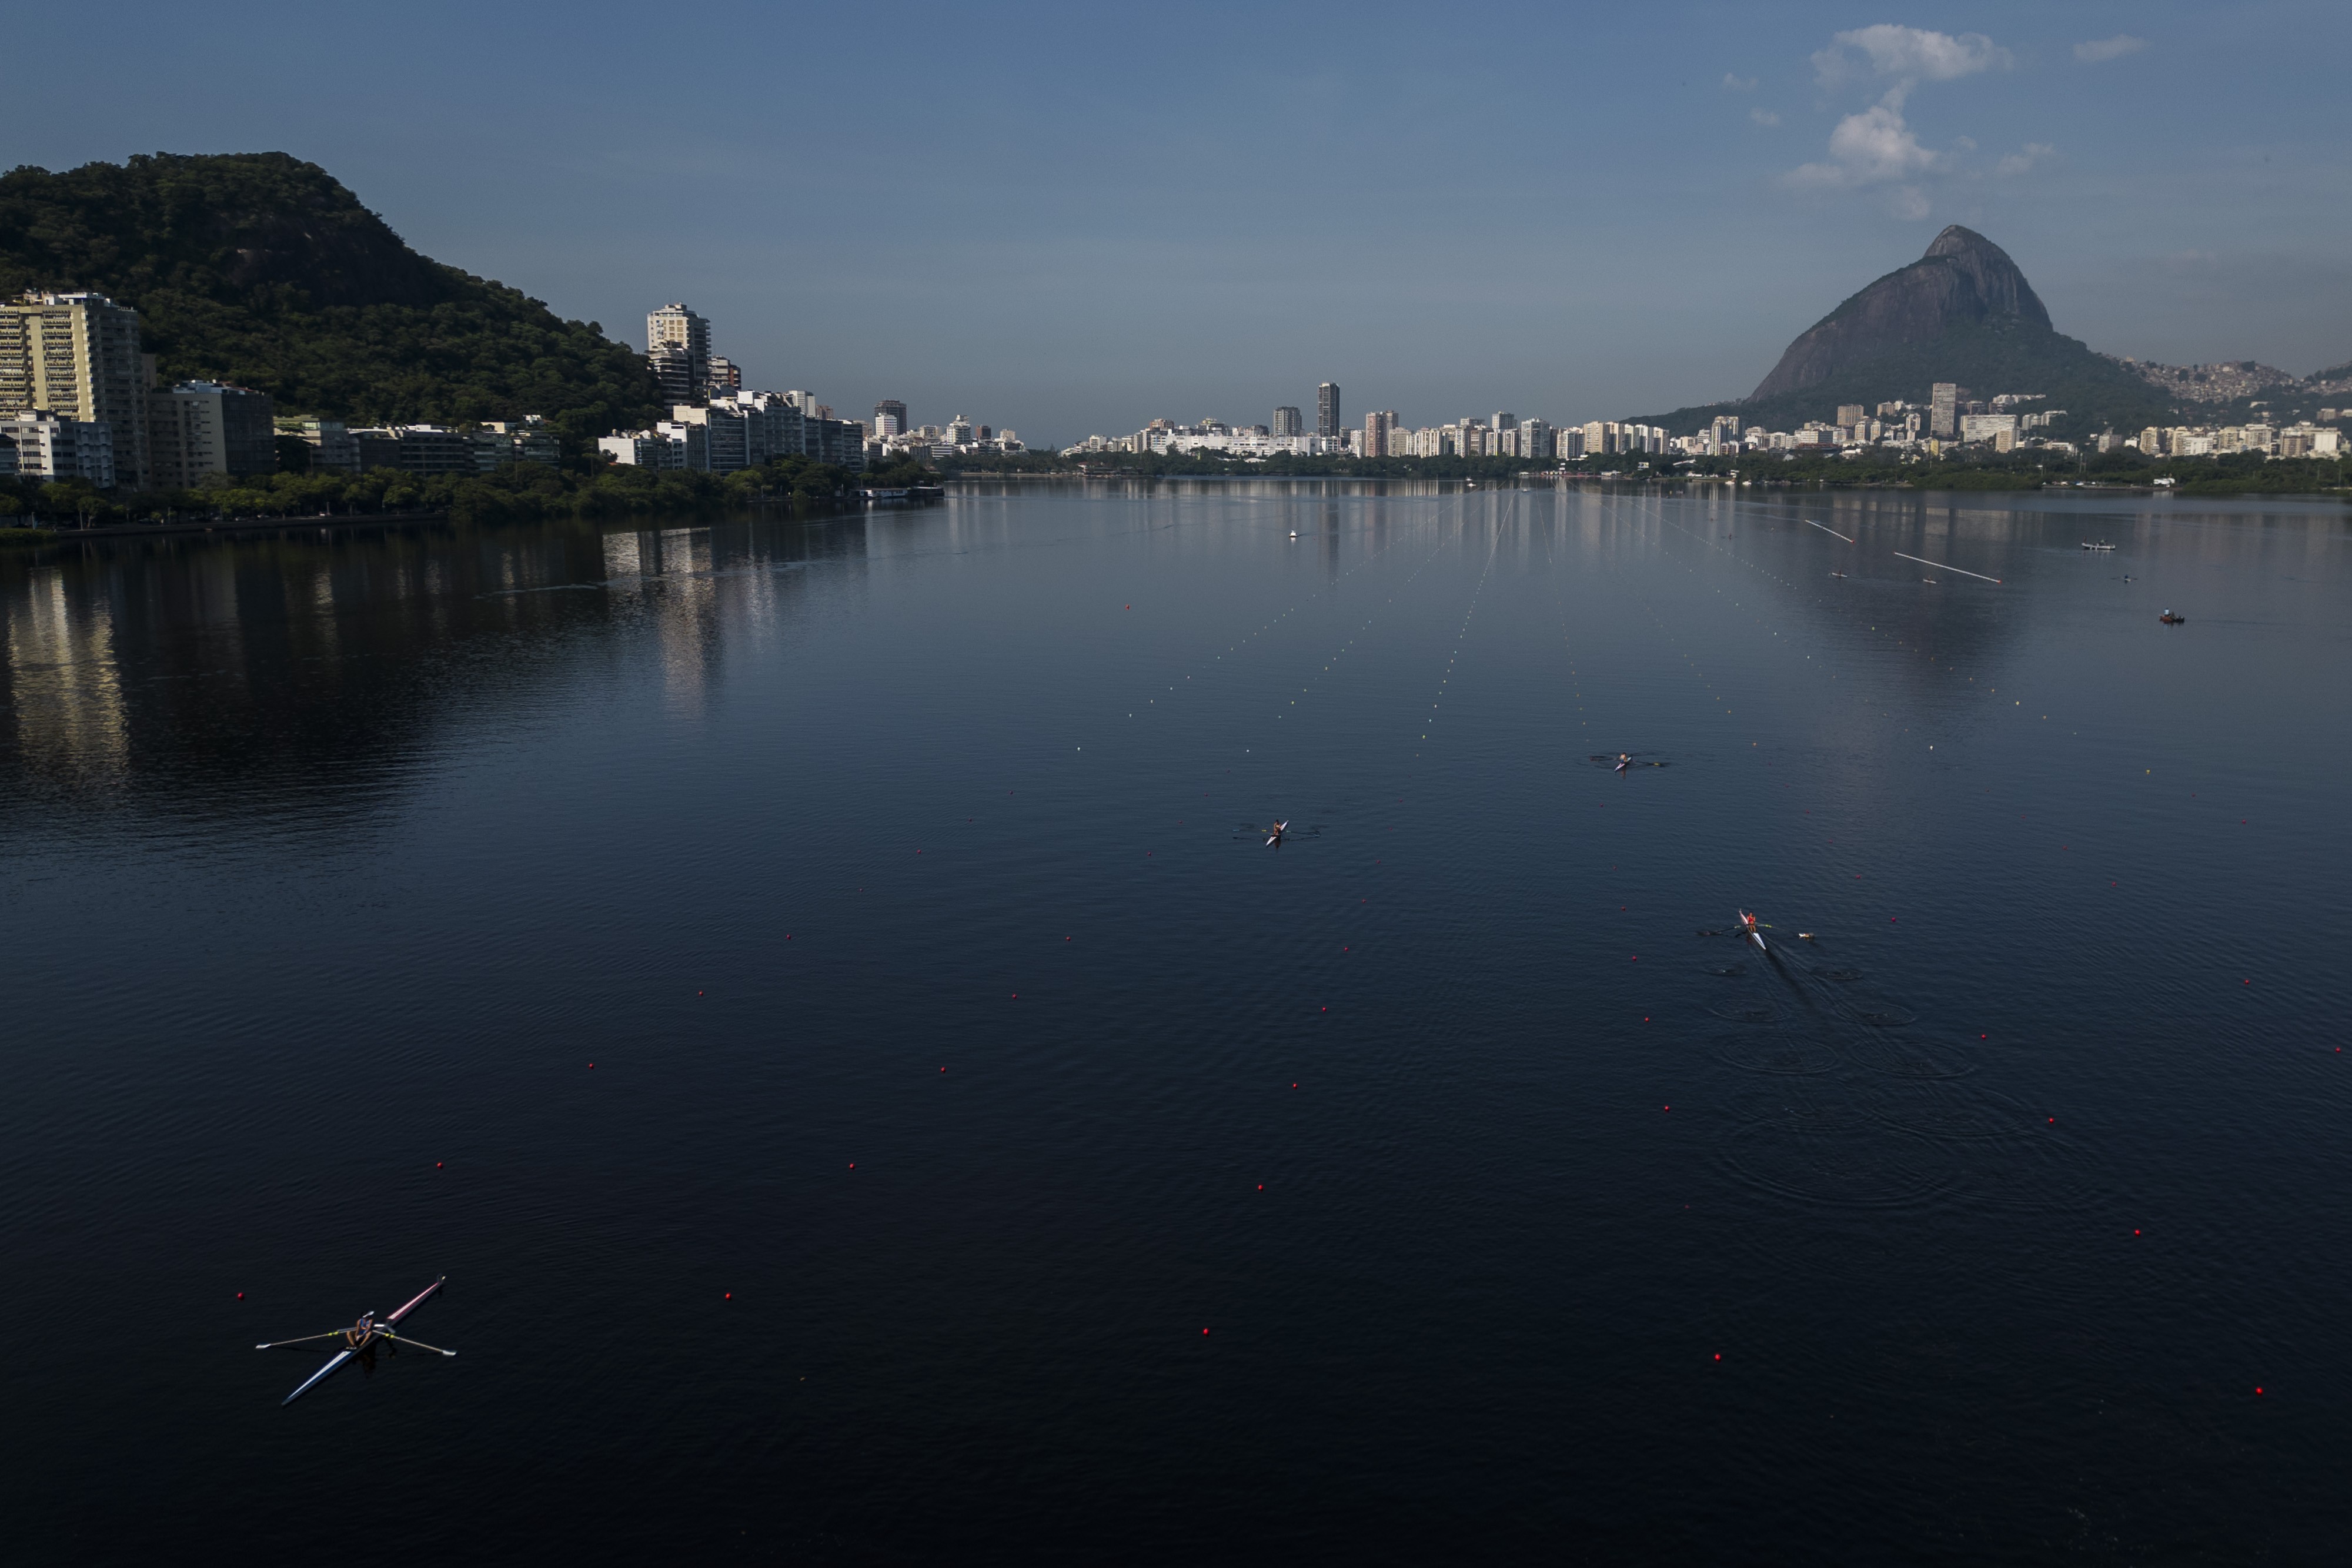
(1913, 53)
(1763, 116)
(2025, 158)
(2099, 49)
(1876, 147)
(1738, 84)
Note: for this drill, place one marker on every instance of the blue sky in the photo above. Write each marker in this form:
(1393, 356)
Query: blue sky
(1068, 219)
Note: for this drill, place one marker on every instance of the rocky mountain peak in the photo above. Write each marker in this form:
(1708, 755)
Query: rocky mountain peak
(1963, 279)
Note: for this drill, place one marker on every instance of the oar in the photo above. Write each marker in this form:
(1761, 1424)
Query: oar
(403, 1338)
(1943, 566)
(306, 1339)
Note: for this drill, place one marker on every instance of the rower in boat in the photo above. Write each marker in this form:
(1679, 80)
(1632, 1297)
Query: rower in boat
(1624, 760)
(359, 1339)
(1273, 834)
(1748, 928)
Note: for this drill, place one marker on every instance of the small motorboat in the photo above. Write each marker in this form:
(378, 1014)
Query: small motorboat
(2170, 619)
(2102, 545)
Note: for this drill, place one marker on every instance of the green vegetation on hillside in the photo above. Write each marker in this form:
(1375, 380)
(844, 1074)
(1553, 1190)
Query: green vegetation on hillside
(1996, 356)
(258, 268)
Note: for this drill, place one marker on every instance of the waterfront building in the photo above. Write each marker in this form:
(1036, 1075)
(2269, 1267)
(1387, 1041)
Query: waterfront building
(643, 449)
(678, 342)
(959, 431)
(50, 447)
(526, 439)
(208, 427)
(1328, 419)
(77, 356)
(1535, 439)
(333, 449)
(727, 439)
(416, 449)
(890, 418)
(1287, 421)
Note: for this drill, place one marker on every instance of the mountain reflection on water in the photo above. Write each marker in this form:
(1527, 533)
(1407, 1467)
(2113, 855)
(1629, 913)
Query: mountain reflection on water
(831, 969)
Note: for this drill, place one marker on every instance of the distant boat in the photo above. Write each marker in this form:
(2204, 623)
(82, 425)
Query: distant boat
(2170, 619)
(2088, 545)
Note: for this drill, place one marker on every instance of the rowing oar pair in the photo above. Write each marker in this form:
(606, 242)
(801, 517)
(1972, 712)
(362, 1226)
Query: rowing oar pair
(362, 1336)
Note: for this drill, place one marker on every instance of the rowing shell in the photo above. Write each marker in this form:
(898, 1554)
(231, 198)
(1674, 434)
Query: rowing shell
(341, 1356)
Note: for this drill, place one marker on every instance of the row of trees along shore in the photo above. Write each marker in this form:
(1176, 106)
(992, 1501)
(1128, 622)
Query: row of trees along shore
(2229, 474)
(519, 492)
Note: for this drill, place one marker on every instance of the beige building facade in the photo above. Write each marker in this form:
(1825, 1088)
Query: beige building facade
(77, 356)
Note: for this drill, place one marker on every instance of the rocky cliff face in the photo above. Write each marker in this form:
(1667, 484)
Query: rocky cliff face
(1964, 280)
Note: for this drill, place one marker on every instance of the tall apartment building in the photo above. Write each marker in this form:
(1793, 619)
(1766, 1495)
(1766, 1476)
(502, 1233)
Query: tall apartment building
(1376, 427)
(678, 342)
(48, 447)
(77, 356)
(1943, 409)
(208, 427)
(1327, 419)
(726, 375)
(890, 418)
(1287, 421)
(1535, 439)
(1852, 414)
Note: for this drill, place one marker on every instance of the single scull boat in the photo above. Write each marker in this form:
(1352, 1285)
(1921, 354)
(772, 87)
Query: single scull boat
(359, 1339)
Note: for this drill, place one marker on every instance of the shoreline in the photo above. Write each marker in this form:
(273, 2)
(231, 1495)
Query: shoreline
(58, 535)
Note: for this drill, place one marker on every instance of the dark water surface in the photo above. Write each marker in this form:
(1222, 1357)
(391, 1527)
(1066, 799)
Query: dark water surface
(995, 1151)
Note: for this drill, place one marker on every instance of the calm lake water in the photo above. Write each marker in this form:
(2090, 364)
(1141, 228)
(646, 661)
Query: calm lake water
(820, 994)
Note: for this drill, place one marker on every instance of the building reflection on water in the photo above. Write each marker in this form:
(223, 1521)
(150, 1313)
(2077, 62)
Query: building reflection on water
(307, 671)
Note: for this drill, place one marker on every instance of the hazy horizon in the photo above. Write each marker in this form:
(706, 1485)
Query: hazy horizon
(1064, 224)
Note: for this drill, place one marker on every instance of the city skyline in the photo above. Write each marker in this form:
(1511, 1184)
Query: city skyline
(1646, 238)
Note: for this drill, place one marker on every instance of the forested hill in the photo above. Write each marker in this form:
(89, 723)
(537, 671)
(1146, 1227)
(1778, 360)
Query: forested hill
(258, 268)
